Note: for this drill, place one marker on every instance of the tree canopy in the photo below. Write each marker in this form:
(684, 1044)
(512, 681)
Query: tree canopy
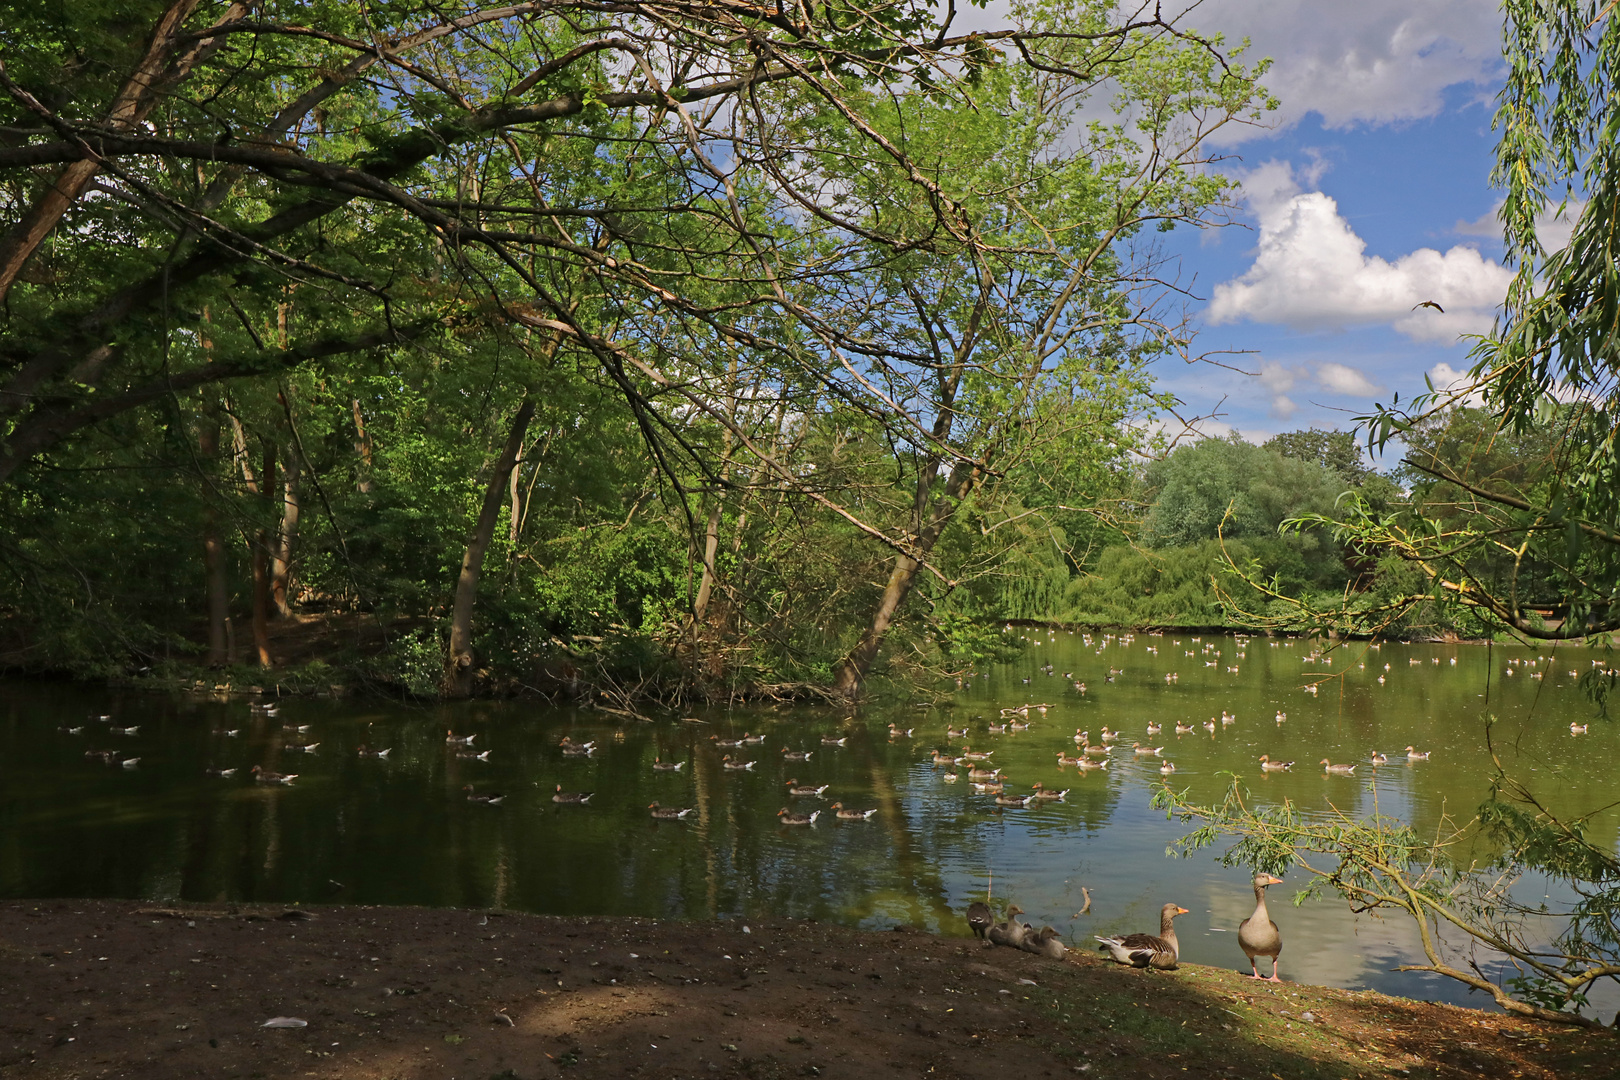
(725, 329)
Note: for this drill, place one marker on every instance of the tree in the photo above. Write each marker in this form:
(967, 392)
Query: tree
(1028, 340)
(1336, 450)
(1550, 373)
(1514, 520)
(680, 199)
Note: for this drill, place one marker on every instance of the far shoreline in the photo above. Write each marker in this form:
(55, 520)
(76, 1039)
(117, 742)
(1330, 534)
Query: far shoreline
(303, 678)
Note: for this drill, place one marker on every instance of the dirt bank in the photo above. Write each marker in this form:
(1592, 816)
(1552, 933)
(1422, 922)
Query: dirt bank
(135, 990)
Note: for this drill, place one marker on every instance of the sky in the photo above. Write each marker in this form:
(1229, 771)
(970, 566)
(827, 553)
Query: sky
(1366, 195)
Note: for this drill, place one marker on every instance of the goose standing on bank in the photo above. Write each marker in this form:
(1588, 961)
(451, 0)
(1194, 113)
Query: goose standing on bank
(1160, 951)
(1258, 935)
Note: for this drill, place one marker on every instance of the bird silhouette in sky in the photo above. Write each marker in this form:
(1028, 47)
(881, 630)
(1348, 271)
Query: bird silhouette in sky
(1429, 303)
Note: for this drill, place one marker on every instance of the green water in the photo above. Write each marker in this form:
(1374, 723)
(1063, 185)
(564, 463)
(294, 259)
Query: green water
(401, 830)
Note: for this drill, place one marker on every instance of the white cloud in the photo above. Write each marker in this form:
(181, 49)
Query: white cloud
(1486, 225)
(1312, 272)
(1554, 228)
(1276, 378)
(1443, 377)
(1371, 62)
(1343, 379)
(1282, 407)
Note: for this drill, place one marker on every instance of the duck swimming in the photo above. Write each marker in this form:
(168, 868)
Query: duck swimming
(790, 818)
(265, 777)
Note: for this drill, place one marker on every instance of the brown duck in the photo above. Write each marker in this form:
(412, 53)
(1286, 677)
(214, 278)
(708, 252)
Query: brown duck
(1160, 951)
(1045, 944)
(980, 918)
(1011, 932)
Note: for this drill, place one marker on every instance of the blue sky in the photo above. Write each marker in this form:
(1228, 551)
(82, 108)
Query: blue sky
(1369, 194)
(1366, 194)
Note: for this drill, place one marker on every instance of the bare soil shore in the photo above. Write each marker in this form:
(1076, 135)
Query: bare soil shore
(137, 990)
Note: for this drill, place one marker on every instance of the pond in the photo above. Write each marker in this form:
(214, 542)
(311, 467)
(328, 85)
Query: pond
(401, 829)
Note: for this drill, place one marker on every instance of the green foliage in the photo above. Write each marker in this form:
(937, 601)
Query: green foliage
(1335, 450)
(1213, 525)
(415, 663)
(1231, 488)
(315, 275)
(1377, 863)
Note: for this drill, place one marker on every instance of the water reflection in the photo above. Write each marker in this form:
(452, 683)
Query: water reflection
(400, 829)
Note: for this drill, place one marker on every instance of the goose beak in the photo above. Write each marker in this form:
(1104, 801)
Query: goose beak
(1181, 911)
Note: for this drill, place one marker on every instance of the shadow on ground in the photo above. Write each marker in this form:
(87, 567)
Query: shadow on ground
(136, 991)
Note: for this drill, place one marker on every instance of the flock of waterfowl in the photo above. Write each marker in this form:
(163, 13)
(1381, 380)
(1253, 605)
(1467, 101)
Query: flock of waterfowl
(1097, 756)
(1258, 936)
(729, 763)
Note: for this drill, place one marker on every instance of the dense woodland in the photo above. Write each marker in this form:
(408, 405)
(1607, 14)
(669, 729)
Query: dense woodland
(664, 349)
(702, 346)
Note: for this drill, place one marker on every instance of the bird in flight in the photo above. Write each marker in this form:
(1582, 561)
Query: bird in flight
(1429, 303)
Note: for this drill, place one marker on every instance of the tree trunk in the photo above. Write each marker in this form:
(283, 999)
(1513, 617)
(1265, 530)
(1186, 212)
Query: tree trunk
(858, 664)
(281, 566)
(259, 546)
(459, 661)
(261, 565)
(711, 546)
(219, 598)
(518, 498)
(362, 446)
(219, 653)
(261, 597)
